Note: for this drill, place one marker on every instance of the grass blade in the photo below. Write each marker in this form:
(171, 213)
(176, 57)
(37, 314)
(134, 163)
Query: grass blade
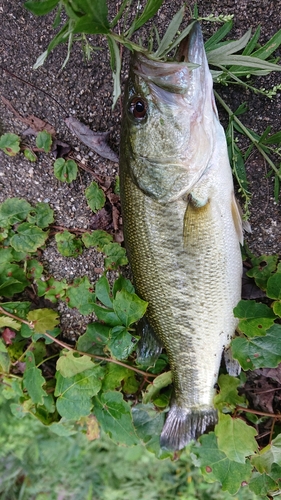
(230, 48)
(272, 44)
(115, 63)
(218, 36)
(152, 6)
(170, 33)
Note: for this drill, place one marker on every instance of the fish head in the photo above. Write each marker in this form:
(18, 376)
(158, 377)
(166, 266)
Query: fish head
(167, 126)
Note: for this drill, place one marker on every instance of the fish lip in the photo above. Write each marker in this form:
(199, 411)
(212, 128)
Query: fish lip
(175, 76)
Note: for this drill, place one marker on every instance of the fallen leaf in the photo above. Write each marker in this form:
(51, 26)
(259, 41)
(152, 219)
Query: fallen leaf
(250, 290)
(35, 124)
(8, 335)
(60, 149)
(97, 141)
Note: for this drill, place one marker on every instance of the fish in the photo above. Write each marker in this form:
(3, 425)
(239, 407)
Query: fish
(182, 226)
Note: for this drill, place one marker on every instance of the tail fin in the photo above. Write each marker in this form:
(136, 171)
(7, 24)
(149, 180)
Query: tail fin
(183, 425)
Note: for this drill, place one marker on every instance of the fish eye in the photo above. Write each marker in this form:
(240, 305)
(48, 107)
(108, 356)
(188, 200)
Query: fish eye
(138, 107)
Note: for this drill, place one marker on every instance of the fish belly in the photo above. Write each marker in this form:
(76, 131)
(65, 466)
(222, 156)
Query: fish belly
(186, 263)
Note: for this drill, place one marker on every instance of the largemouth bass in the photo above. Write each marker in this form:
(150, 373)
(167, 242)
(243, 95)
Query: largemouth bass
(182, 226)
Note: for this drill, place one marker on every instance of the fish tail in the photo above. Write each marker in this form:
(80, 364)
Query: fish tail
(184, 425)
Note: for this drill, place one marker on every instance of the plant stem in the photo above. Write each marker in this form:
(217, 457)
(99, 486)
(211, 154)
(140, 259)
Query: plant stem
(101, 358)
(28, 323)
(70, 348)
(248, 134)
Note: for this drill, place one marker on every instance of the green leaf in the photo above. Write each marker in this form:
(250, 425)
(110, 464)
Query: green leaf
(41, 7)
(34, 269)
(158, 383)
(151, 7)
(75, 393)
(96, 334)
(119, 377)
(259, 352)
(13, 211)
(4, 359)
(217, 467)
(121, 343)
(235, 438)
(42, 215)
(54, 290)
(97, 238)
(228, 397)
(81, 297)
(30, 155)
(33, 380)
(20, 309)
(218, 36)
(10, 144)
(262, 269)
(6, 256)
(106, 315)
(103, 291)
(122, 283)
(43, 319)
(70, 364)
(114, 416)
(129, 307)
(65, 170)
(255, 318)
(95, 22)
(261, 484)
(266, 50)
(36, 336)
(215, 56)
(95, 197)
(273, 289)
(12, 280)
(28, 238)
(115, 63)
(68, 245)
(170, 32)
(44, 141)
(6, 321)
(270, 455)
(116, 256)
(148, 423)
(276, 306)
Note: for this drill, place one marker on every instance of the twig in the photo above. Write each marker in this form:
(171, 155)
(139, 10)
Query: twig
(101, 358)
(70, 348)
(35, 87)
(256, 412)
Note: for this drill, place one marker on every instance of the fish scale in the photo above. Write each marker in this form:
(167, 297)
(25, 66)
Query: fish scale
(182, 229)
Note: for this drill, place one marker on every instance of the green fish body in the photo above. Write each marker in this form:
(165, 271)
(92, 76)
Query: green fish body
(182, 226)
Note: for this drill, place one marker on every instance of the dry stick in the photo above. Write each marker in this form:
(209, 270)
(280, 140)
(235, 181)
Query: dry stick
(70, 348)
(256, 412)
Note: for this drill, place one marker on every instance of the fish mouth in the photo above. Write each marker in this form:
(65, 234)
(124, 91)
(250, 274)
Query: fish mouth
(176, 76)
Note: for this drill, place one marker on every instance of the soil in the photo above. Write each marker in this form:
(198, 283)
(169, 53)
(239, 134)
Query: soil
(84, 90)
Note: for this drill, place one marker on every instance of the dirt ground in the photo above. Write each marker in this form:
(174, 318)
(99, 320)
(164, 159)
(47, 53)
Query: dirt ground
(84, 90)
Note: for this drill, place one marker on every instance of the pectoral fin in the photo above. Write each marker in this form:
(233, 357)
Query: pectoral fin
(149, 347)
(237, 218)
